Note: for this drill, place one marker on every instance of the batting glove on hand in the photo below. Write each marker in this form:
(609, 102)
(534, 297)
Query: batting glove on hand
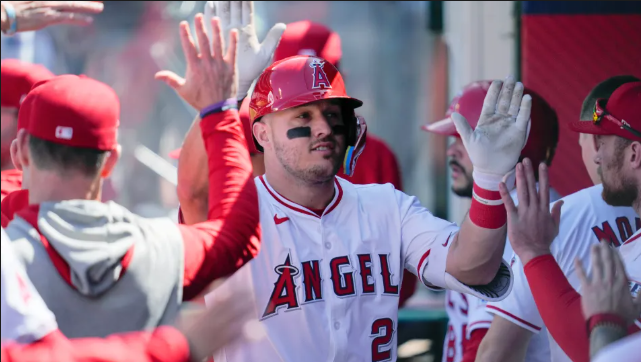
(253, 57)
(495, 144)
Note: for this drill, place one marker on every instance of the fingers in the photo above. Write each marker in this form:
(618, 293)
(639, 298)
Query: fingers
(189, 47)
(580, 272)
(533, 194)
(86, 7)
(507, 200)
(247, 12)
(544, 187)
(236, 13)
(521, 186)
(201, 35)
(217, 38)
(223, 9)
(273, 37)
(171, 79)
(608, 263)
(505, 98)
(597, 263)
(523, 118)
(492, 96)
(515, 103)
(70, 19)
(462, 126)
(556, 213)
(619, 267)
(233, 45)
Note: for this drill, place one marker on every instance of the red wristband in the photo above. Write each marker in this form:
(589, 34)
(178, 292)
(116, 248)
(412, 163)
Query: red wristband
(487, 209)
(605, 318)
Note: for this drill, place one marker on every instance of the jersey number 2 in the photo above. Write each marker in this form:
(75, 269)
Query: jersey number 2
(383, 329)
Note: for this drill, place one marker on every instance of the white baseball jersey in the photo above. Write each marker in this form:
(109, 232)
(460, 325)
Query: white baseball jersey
(623, 350)
(631, 254)
(585, 219)
(25, 317)
(467, 313)
(326, 288)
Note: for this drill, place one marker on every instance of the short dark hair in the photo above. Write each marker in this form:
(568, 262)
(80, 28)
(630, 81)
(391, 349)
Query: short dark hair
(603, 90)
(48, 155)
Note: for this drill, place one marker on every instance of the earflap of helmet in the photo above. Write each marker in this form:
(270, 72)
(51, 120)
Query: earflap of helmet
(355, 148)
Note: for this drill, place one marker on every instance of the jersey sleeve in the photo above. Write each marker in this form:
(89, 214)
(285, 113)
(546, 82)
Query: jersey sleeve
(631, 255)
(478, 317)
(425, 241)
(519, 306)
(231, 235)
(25, 317)
(12, 203)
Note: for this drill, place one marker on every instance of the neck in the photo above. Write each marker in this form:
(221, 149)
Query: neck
(51, 188)
(314, 196)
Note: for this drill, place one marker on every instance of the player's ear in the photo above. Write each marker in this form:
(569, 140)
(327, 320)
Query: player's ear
(259, 130)
(22, 153)
(111, 161)
(635, 155)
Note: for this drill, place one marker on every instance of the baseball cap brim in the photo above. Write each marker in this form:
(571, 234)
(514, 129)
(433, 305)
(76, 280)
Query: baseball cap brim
(590, 128)
(443, 127)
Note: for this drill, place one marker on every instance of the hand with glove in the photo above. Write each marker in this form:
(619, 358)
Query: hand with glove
(253, 57)
(495, 144)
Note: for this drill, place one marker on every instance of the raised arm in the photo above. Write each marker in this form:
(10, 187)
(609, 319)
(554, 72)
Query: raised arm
(494, 148)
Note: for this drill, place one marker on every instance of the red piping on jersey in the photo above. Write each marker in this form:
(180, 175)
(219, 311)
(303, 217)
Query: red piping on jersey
(30, 215)
(478, 322)
(420, 263)
(514, 317)
(277, 197)
(633, 238)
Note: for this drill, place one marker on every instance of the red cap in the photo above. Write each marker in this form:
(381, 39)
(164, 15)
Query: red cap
(620, 115)
(17, 80)
(243, 113)
(543, 136)
(308, 38)
(73, 110)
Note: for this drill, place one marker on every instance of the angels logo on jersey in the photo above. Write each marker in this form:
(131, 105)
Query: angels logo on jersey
(343, 274)
(606, 232)
(320, 79)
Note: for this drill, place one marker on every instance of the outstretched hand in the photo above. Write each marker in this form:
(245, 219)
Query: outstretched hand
(253, 56)
(211, 76)
(36, 15)
(531, 226)
(495, 144)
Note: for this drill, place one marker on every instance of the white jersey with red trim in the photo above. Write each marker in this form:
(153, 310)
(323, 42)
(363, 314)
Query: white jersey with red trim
(631, 255)
(326, 287)
(25, 317)
(467, 313)
(585, 219)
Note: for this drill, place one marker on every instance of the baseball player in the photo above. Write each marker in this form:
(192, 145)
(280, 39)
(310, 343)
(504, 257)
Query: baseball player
(585, 220)
(17, 80)
(26, 319)
(615, 125)
(468, 320)
(87, 258)
(326, 283)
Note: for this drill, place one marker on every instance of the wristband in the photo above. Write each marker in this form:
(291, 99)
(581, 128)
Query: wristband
(11, 18)
(225, 105)
(487, 209)
(604, 319)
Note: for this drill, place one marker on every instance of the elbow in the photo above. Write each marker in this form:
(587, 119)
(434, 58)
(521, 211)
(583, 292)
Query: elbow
(189, 195)
(470, 275)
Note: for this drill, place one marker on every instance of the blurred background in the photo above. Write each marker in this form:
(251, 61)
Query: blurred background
(405, 59)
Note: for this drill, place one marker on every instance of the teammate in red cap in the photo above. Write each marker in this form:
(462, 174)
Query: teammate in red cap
(17, 80)
(88, 258)
(468, 320)
(617, 124)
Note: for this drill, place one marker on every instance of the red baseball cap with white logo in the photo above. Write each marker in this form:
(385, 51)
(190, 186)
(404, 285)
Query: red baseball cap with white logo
(309, 38)
(72, 110)
(620, 115)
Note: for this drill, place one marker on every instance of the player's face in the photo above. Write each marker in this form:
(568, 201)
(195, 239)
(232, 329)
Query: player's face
(587, 142)
(309, 141)
(619, 186)
(461, 167)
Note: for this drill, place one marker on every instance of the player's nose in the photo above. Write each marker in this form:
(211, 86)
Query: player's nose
(321, 127)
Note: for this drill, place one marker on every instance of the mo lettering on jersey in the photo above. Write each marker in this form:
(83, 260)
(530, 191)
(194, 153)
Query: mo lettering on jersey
(605, 231)
(347, 274)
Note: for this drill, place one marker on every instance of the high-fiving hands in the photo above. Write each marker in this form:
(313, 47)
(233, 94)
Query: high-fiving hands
(35, 15)
(495, 144)
(253, 56)
(211, 76)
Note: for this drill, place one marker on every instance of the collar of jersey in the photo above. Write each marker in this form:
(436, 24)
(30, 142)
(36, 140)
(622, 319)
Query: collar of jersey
(338, 195)
(634, 237)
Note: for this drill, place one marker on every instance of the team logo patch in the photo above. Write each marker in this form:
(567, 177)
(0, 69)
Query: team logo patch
(635, 288)
(320, 79)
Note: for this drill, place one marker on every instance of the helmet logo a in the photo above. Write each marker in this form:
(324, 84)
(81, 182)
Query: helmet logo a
(320, 78)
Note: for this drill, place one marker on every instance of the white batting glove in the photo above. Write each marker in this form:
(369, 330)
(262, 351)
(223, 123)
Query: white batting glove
(495, 144)
(253, 57)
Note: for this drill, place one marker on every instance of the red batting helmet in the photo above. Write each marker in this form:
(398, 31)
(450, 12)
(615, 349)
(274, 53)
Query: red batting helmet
(299, 80)
(544, 126)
